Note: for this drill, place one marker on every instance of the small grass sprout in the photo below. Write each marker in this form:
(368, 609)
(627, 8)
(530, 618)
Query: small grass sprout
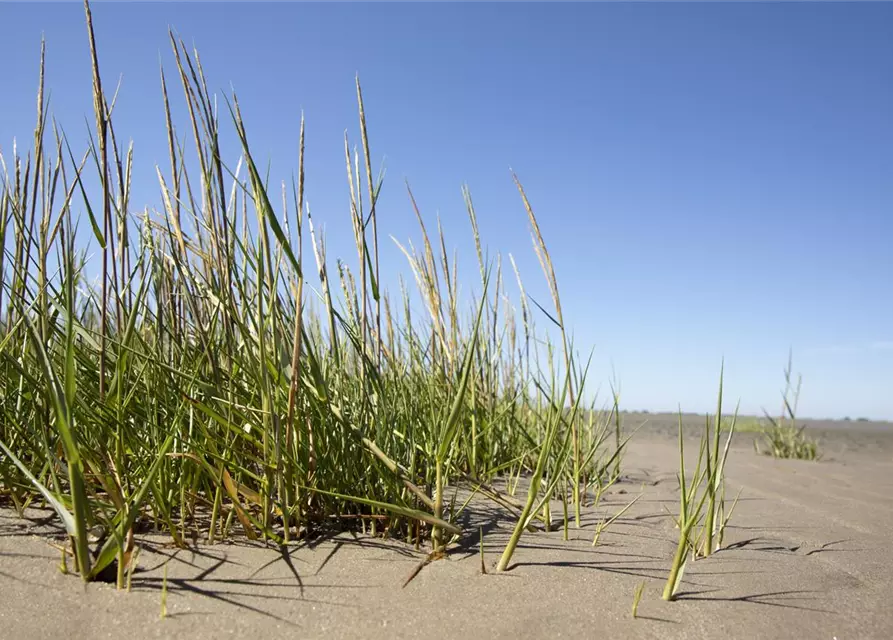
(605, 523)
(702, 498)
(637, 598)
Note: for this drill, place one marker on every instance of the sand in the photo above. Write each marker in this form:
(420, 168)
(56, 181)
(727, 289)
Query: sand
(809, 554)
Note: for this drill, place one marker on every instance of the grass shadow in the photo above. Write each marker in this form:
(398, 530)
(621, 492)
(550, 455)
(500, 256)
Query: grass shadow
(769, 599)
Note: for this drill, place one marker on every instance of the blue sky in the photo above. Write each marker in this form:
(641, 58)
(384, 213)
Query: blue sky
(713, 180)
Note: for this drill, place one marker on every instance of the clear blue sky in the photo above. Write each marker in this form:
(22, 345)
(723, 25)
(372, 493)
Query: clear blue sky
(712, 179)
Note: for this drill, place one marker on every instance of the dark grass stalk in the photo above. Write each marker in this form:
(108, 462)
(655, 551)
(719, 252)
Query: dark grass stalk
(373, 217)
(172, 150)
(296, 343)
(102, 135)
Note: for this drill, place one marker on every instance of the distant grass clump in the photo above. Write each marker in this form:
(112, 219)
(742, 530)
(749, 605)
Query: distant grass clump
(188, 377)
(788, 441)
(782, 438)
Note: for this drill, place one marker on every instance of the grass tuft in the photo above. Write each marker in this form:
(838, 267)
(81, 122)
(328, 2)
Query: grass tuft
(702, 498)
(782, 437)
(198, 371)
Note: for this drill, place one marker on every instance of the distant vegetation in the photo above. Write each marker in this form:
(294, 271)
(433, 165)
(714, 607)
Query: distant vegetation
(782, 438)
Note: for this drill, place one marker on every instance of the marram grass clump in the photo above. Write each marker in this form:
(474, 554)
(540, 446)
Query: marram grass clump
(200, 368)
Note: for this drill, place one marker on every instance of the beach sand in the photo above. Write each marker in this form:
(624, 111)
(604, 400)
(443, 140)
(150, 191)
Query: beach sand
(808, 554)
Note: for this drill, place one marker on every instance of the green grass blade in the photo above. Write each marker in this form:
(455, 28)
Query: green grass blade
(64, 515)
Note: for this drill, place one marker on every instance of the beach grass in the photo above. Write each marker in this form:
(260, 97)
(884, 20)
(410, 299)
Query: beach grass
(180, 368)
(782, 436)
(702, 516)
(193, 370)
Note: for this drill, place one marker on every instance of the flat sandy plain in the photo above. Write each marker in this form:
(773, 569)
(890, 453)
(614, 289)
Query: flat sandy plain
(809, 554)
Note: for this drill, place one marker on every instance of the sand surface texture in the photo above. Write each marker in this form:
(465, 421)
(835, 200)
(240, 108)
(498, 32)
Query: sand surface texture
(808, 554)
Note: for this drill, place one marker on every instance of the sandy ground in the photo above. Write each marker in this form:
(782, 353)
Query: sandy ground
(808, 555)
